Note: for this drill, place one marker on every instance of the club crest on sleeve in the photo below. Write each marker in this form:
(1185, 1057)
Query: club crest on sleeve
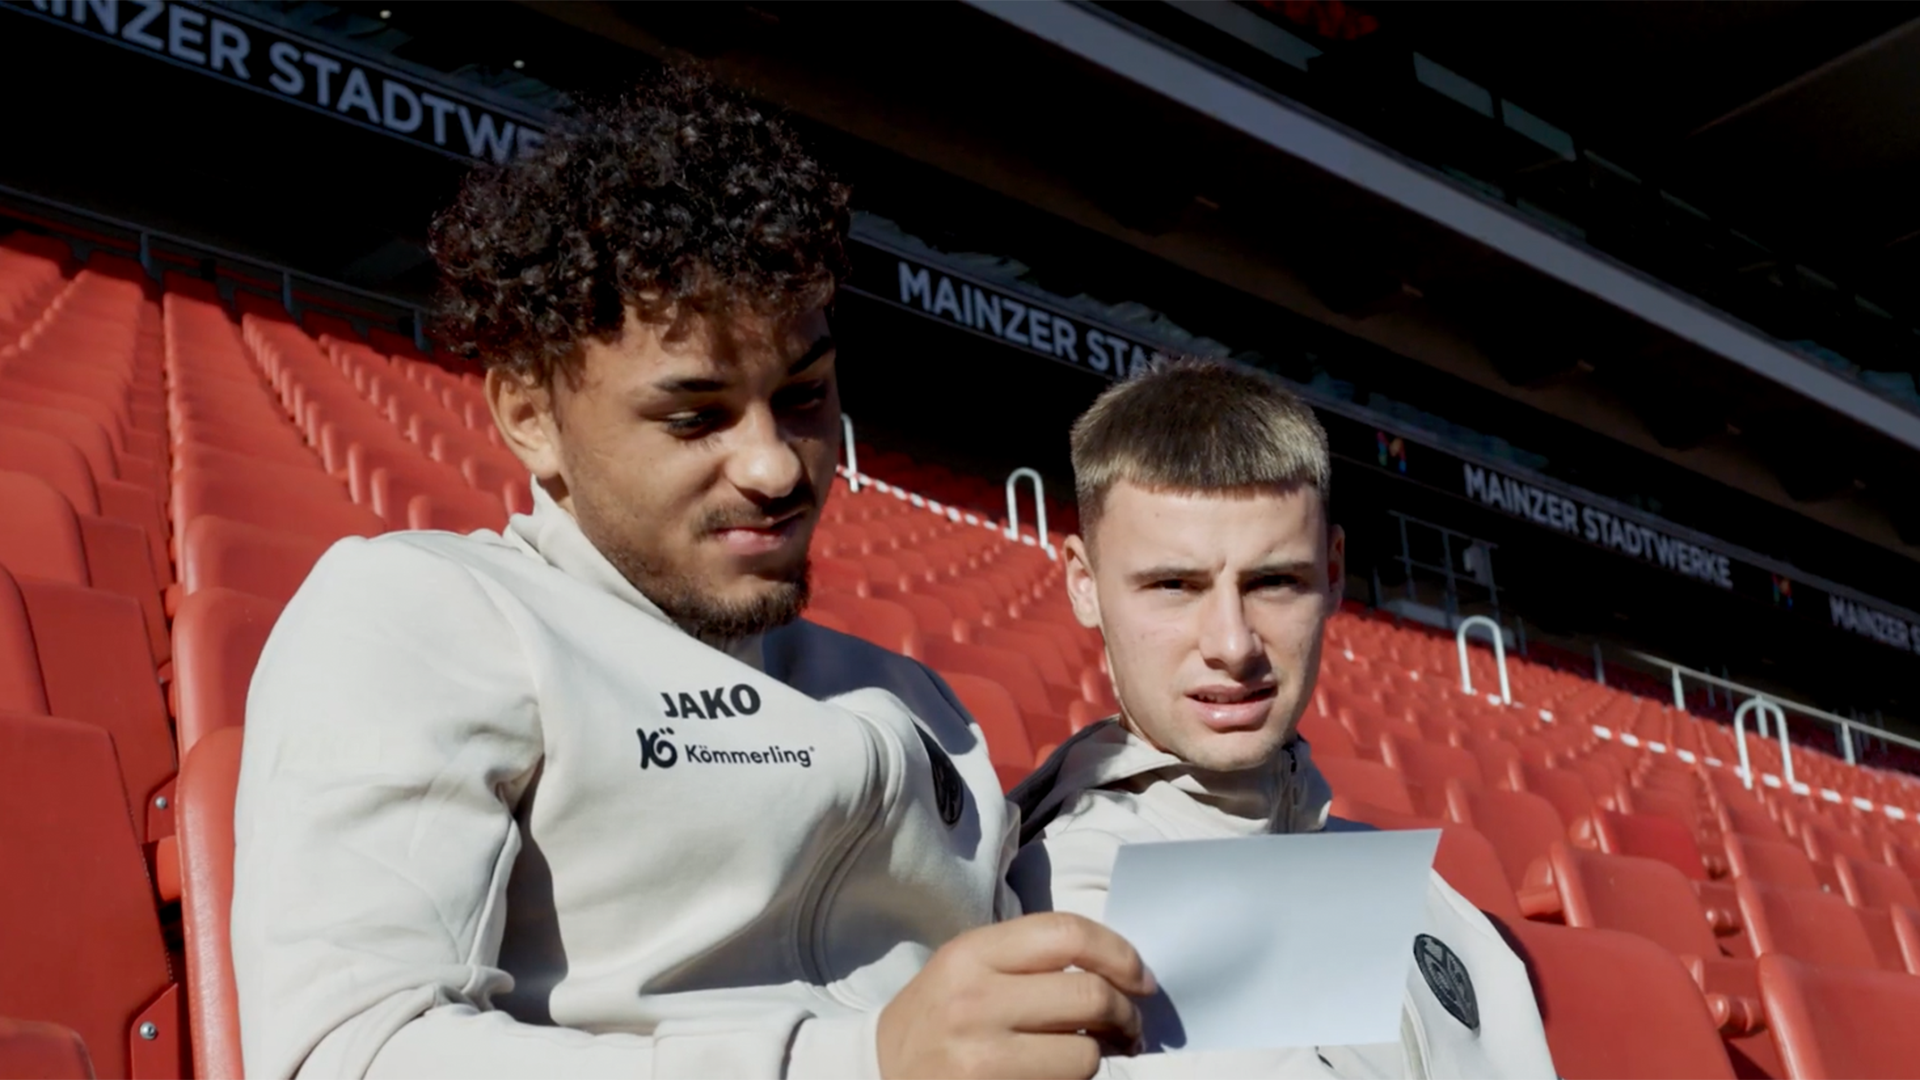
(1447, 976)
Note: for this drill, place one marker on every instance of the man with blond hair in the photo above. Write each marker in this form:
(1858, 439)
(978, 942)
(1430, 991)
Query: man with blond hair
(1208, 560)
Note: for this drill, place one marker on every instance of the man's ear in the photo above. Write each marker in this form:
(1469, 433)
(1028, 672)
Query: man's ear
(523, 410)
(1081, 591)
(1336, 566)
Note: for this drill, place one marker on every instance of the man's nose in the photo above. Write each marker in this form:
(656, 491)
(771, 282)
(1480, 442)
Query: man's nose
(1227, 641)
(763, 463)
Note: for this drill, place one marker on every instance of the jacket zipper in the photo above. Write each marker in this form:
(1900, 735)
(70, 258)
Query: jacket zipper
(863, 823)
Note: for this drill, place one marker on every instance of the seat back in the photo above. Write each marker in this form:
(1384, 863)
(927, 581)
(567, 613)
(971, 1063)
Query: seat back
(218, 552)
(82, 943)
(1617, 1005)
(1008, 744)
(1650, 837)
(21, 687)
(1807, 924)
(1823, 842)
(1868, 884)
(1367, 782)
(42, 538)
(882, 622)
(1326, 736)
(1010, 669)
(96, 669)
(1640, 896)
(1521, 827)
(255, 503)
(1775, 862)
(53, 460)
(206, 793)
(218, 636)
(1565, 790)
(1840, 1022)
(1427, 767)
(1465, 860)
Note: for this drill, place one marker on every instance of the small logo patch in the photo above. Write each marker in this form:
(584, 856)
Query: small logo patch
(949, 792)
(1448, 979)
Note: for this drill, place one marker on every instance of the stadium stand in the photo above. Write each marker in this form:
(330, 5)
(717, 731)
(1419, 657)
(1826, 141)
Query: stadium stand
(190, 472)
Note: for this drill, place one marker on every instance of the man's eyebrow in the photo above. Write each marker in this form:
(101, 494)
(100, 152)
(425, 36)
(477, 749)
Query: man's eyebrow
(1289, 567)
(821, 346)
(1165, 572)
(707, 384)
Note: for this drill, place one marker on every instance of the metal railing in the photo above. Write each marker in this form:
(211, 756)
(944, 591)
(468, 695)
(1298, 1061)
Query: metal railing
(853, 457)
(1846, 729)
(1499, 654)
(1039, 507)
(1763, 707)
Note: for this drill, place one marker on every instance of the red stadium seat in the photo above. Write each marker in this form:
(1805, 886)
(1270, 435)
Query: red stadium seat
(1520, 826)
(82, 943)
(1837, 1022)
(933, 617)
(882, 622)
(207, 783)
(216, 552)
(1872, 884)
(1648, 837)
(1616, 1005)
(220, 634)
(1565, 790)
(48, 1051)
(1326, 736)
(1046, 721)
(1649, 898)
(96, 669)
(21, 687)
(1427, 767)
(1008, 745)
(1367, 782)
(1464, 859)
(263, 503)
(1806, 923)
(42, 538)
(1776, 863)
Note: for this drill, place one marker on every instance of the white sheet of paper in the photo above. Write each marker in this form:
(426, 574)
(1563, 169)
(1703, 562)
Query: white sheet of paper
(1273, 941)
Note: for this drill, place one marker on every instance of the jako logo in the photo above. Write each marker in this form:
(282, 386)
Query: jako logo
(655, 749)
(713, 704)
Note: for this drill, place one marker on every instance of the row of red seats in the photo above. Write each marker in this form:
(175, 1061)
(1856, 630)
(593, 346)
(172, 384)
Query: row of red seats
(86, 748)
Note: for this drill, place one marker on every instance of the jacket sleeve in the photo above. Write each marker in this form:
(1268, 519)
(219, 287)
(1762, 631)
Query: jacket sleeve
(392, 728)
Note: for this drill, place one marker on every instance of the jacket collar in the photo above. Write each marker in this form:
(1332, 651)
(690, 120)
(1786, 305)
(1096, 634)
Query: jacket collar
(552, 534)
(1286, 795)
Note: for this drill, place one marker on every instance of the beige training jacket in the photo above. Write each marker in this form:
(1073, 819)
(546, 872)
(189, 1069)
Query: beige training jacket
(499, 817)
(1106, 787)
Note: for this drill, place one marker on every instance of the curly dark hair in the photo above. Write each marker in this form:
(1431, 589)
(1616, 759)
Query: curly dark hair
(682, 197)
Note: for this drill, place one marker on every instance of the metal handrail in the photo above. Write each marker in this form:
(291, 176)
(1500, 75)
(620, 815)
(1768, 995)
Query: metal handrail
(1039, 507)
(1844, 723)
(853, 458)
(1763, 707)
(1499, 654)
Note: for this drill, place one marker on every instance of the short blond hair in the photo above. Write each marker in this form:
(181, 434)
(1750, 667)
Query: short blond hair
(1197, 425)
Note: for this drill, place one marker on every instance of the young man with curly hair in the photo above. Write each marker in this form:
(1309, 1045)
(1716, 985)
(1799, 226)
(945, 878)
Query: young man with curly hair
(583, 797)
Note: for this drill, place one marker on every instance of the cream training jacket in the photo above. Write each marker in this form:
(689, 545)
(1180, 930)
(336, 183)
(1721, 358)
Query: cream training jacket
(1106, 787)
(498, 816)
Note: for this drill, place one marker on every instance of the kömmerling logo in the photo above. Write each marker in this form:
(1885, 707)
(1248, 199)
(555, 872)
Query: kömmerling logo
(657, 751)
